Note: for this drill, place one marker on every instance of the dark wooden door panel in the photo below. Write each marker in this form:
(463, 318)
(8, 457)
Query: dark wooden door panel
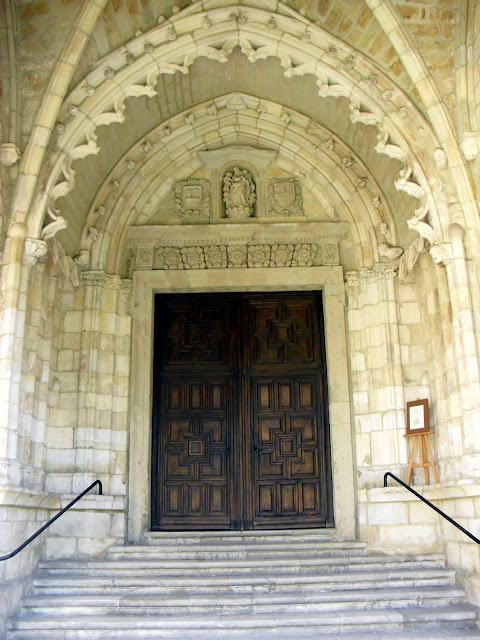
(193, 456)
(240, 437)
(286, 454)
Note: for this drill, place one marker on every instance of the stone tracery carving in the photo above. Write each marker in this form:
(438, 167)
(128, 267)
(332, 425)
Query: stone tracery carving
(285, 197)
(239, 193)
(192, 198)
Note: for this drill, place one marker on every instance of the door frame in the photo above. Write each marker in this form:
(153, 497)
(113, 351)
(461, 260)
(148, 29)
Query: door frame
(146, 283)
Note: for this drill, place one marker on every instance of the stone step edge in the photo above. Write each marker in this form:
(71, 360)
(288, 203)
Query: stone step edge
(378, 559)
(328, 533)
(241, 578)
(251, 597)
(465, 613)
(407, 634)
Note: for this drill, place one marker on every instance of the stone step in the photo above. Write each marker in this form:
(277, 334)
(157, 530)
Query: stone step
(286, 602)
(223, 550)
(256, 536)
(256, 587)
(319, 625)
(277, 565)
(244, 584)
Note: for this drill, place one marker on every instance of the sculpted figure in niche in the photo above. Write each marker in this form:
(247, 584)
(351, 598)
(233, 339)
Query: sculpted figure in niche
(238, 193)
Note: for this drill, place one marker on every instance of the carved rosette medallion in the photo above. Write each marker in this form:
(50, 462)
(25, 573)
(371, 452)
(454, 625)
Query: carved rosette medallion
(282, 255)
(285, 197)
(239, 193)
(169, 258)
(304, 254)
(237, 255)
(192, 199)
(258, 255)
(215, 256)
(193, 257)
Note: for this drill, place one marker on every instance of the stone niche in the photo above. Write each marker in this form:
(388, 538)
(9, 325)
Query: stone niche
(237, 184)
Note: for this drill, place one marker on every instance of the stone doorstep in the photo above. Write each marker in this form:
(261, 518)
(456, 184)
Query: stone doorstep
(340, 621)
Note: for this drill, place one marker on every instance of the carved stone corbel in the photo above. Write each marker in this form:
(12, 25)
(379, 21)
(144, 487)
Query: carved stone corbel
(34, 250)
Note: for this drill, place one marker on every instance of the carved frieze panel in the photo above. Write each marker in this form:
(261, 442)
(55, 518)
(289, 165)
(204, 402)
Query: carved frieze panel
(240, 245)
(239, 193)
(304, 254)
(330, 254)
(192, 199)
(285, 197)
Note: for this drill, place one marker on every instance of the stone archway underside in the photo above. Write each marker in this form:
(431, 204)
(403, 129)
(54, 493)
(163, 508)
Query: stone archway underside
(301, 47)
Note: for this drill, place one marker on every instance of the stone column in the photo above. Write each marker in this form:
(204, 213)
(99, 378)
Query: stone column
(466, 352)
(14, 285)
(377, 378)
(100, 434)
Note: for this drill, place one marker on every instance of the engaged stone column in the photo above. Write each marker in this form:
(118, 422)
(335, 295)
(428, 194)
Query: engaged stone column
(100, 437)
(377, 379)
(466, 352)
(20, 254)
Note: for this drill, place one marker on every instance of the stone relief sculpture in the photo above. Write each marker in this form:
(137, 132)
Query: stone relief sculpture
(239, 193)
(285, 197)
(192, 199)
(388, 249)
(425, 240)
(52, 228)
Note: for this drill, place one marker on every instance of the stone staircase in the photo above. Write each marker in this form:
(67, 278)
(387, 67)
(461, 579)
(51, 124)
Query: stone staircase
(245, 585)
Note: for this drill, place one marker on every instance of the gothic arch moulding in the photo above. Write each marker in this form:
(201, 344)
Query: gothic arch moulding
(203, 30)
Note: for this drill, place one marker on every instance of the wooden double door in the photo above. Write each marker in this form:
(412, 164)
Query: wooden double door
(240, 423)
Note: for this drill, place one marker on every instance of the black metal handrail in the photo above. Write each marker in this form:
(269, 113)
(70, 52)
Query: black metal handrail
(467, 533)
(60, 513)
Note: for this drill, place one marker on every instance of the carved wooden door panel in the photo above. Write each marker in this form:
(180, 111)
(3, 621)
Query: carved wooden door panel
(290, 448)
(193, 414)
(240, 437)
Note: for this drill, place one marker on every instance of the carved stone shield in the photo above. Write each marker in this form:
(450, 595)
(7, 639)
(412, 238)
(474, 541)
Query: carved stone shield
(192, 198)
(285, 197)
(284, 193)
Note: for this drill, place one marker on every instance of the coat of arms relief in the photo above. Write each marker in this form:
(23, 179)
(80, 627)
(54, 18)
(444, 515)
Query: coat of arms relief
(239, 193)
(285, 197)
(192, 199)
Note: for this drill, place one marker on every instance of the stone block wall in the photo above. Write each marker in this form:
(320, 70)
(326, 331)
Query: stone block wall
(394, 520)
(87, 431)
(377, 376)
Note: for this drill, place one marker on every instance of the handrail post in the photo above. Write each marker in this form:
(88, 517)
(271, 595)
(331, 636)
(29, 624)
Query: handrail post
(439, 511)
(52, 520)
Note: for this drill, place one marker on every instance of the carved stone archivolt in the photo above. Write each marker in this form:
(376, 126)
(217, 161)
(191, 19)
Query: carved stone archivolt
(285, 197)
(192, 199)
(239, 193)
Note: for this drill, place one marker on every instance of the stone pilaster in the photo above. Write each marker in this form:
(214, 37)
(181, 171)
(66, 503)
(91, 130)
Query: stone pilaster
(377, 379)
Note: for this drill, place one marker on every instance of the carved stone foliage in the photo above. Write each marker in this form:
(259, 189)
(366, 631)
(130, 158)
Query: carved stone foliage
(192, 199)
(285, 197)
(368, 275)
(239, 193)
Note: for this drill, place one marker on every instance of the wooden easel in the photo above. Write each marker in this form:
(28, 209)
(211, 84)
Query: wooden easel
(424, 447)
